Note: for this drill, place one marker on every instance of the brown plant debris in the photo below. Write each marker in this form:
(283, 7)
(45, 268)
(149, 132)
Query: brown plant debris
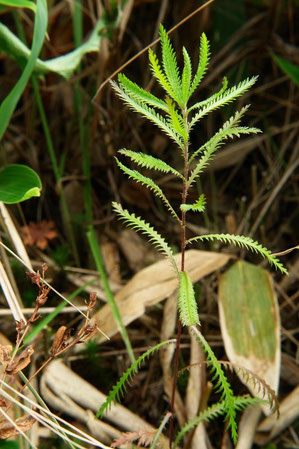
(8, 430)
(39, 234)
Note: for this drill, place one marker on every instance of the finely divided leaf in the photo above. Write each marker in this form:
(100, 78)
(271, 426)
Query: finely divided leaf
(170, 66)
(186, 76)
(243, 242)
(186, 301)
(202, 64)
(227, 97)
(158, 73)
(149, 183)
(198, 206)
(140, 225)
(147, 161)
(201, 104)
(134, 91)
(119, 389)
(148, 112)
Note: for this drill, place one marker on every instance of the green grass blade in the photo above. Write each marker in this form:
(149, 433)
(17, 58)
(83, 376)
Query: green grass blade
(98, 258)
(40, 27)
(291, 70)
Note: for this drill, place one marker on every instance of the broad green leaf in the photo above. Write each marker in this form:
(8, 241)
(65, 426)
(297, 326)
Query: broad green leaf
(64, 65)
(250, 323)
(291, 70)
(40, 27)
(18, 183)
(19, 4)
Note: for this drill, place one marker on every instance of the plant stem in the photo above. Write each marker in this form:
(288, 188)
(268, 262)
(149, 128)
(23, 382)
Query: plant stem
(183, 252)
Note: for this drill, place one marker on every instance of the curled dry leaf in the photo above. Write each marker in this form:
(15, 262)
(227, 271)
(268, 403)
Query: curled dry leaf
(59, 341)
(87, 331)
(23, 424)
(21, 361)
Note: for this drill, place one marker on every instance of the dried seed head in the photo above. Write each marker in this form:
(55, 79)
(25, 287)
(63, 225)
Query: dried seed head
(21, 361)
(59, 340)
(44, 269)
(87, 331)
(92, 301)
(42, 297)
(35, 277)
(20, 326)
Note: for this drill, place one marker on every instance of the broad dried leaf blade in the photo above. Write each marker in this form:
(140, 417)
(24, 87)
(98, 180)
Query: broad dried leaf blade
(250, 323)
(155, 283)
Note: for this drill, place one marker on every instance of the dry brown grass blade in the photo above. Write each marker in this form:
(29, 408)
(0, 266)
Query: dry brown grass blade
(155, 283)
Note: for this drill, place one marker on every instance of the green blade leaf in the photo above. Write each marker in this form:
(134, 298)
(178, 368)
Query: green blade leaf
(291, 70)
(19, 4)
(18, 183)
(186, 301)
(40, 26)
(250, 323)
(64, 65)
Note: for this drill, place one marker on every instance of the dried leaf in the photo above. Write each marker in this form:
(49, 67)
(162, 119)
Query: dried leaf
(38, 234)
(141, 292)
(250, 322)
(8, 430)
(21, 361)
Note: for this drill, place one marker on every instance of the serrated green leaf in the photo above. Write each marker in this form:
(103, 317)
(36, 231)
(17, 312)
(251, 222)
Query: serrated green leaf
(154, 237)
(202, 63)
(140, 94)
(227, 97)
(147, 161)
(198, 206)
(243, 242)
(186, 76)
(149, 183)
(213, 97)
(186, 301)
(18, 183)
(148, 112)
(170, 66)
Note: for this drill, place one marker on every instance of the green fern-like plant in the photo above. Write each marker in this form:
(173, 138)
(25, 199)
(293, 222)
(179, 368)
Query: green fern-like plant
(174, 116)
